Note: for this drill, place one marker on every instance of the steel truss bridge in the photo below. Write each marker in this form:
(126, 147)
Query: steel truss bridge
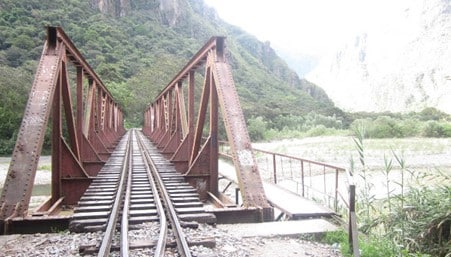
(87, 124)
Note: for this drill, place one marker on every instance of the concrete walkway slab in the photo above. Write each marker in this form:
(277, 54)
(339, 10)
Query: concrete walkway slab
(279, 228)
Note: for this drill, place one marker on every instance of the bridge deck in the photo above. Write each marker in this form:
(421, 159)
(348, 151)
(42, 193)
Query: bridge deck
(292, 205)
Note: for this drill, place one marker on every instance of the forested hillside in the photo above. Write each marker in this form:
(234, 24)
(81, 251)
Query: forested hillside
(136, 49)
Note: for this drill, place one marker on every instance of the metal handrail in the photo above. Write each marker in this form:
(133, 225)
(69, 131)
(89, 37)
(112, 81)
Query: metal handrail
(300, 172)
(348, 201)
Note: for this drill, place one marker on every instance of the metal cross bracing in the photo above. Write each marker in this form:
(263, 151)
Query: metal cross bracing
(69, 97)
(170, 122)
(85, 127)
(86, 123)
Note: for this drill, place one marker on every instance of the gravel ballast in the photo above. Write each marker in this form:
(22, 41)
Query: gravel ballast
(227, 244)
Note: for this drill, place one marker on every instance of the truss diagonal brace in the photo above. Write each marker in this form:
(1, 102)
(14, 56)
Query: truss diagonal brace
(247, 170)
(73, 160)
(16, 193)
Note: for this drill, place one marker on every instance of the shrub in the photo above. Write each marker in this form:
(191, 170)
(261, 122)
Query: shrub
(425, 221)
(410, 127)
(288, 121)
(6, 145)
(317, 131)
(437, 129)
(384, 127)
(430, 113)
(314, 119)
(430, 122)
(256, 128)
(361, 123)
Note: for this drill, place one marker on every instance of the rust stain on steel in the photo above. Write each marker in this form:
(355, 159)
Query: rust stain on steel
(19, 183)
(238, 136)
(75, 160)
(197, 157)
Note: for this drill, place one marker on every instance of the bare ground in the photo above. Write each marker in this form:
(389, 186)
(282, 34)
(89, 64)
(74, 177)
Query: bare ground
(422, 153)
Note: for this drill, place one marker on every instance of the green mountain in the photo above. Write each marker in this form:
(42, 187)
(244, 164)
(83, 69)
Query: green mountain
(136, 47)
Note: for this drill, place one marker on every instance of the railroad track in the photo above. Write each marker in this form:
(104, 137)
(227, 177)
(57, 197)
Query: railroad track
(138, 185)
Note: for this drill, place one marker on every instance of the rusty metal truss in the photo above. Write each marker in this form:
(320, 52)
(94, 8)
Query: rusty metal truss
(170, 122)
(85, 123)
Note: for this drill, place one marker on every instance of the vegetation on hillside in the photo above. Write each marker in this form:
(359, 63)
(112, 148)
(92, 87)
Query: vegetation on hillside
(430, 122)
(136, 55)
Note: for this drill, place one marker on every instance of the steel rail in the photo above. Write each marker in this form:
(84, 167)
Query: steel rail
(161, 244)
(126, 206)
(182, 243)
(126, 181)
(105, 246)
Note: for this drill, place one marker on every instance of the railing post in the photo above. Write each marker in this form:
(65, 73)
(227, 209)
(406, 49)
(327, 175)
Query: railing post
(274, 168)
(325, 186)
(336, 191)
(353, 235)
(302, 178)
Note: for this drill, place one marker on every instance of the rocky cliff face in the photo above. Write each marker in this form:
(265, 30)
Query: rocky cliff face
(402, 66)
(169, 10)
(114, 7)
(172, 27)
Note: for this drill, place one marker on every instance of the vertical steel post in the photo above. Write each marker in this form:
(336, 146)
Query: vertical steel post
(56, 140)
(79, 108)
(88, 112)
(274, 168)
(191, 85)
(336, 191)
(352, 226)
(69, 116)
(214, 149)
(302, 178)
(325, 187)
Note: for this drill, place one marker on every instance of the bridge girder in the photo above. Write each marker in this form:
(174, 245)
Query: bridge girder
(171, 124)
(83, 132)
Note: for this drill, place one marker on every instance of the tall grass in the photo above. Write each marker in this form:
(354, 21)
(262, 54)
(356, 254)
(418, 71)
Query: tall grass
(416, 221)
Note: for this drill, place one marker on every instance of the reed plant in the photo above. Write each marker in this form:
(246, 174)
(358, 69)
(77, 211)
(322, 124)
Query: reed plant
(413, 221)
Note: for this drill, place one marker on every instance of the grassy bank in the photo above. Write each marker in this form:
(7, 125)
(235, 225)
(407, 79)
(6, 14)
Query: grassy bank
(403, 190)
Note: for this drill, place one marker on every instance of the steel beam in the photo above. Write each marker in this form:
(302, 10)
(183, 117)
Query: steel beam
(196, 155)
(78, 142)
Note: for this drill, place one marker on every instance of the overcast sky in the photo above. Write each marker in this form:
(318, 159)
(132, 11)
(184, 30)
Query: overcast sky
(312, 27)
